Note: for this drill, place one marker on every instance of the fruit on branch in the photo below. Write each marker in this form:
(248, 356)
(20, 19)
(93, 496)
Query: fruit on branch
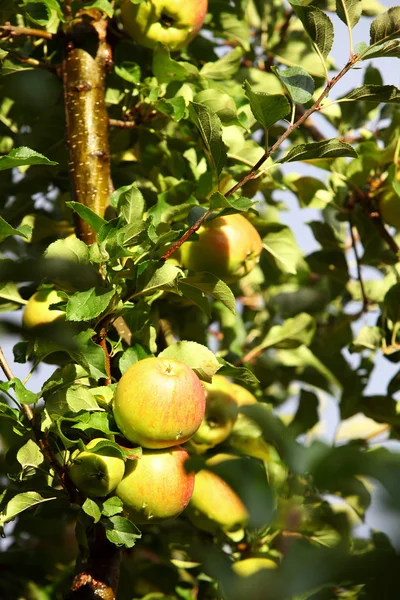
(229, 247)
(220, 415)
(171, 22)
(96, 473)
(389, 206)
(37, 310)
(157, 486)
(215, 506)
(159, 402)
(249, 566)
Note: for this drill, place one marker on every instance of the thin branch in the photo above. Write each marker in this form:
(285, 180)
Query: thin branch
(103, 343)
(187, 235)
(15, 31)
(33, 62)
(121, 124)
(359, 271)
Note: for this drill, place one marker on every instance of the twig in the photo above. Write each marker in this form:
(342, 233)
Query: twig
(15, 30)
(252, 173)
(103, 343)
(121, 124)
(359, 272)
(33, 62)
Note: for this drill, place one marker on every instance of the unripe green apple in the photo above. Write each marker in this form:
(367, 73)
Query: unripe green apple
(215, 506)
(249, 566)
(156, 487)
(389, 206)
(96, 474)
(219, 418)
(228, 247)
(171, 22)
(37, 311)
(159, 402)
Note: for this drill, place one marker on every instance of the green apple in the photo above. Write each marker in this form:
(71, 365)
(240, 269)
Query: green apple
(156, 487)
(37, 310)
(389, 206)
(159, 402)
(229, 247)
(171, 22)
(219, 418)
(249, 566)
(215, 506)
(96, 473)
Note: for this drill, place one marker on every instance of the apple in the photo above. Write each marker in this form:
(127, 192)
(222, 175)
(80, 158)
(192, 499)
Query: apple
(37, 311)
(220, 415)
(159, 402)
(171, 22)
(249, 566)
(156, 486)
(215, 506)
(96, 473)
(389, 206)
(229, 247)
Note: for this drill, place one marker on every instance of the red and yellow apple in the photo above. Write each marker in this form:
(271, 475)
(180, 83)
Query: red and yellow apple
(156, 486)
(37, 311)
(229, 247)
(96, 473)
(171, 22)
(215, 506)
(159, 402)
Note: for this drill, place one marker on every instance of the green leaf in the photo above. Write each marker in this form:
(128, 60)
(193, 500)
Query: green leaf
(292, 334)
(6, 230)
(281, 244)
(172, 107)
(368, 338)
(386, 26)
(306, 415)
(121, 532)
(128, 201)
(304, 357)
(92, 508)
(23, 156)
(72, 399)
(219, 102)
(218, 201)
(383, 50)
(210, 284)
(349, 11)
(198, 357)
(131, 356)
(238, 373)
(326, 149)
(90, 355)
(95, 221)
(166, 69)
(317, 25)
(112, 506)
(71, 249)
(30, 455)
(225, 67)
(158, 278)
(23, 395)
(209, 125)
(389, 94)
(267, 108)
(10, 298)
(19, 503)
(129, 71)
(85, 306)
(103, 5)
(298, 83)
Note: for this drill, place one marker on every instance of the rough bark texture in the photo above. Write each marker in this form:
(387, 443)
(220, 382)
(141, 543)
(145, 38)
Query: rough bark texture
(86, 61)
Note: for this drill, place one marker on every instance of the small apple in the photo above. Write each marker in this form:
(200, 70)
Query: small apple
(215, 506)
(229, 247)
(389, 206)
(220, 415)
(37, 311)
(159, 402)
(96, 474)
(249, 566)
(171, 22)
(156, 486)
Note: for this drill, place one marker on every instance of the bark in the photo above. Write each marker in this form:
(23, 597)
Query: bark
(86, 61)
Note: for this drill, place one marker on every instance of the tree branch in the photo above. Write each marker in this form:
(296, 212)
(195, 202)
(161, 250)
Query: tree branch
(121, 124)
(33, 62)
(15, 31)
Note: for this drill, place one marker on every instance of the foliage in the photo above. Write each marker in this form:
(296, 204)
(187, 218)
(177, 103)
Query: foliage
(185, 129)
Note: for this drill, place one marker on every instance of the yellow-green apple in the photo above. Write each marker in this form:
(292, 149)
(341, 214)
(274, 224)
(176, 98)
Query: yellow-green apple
(219, 418)
(249, 566)
(229, 247)
(215, 506)
(389, 206)
(159, 402)
(37, 310)
(96, 473)
(156, 486)
(171, 22)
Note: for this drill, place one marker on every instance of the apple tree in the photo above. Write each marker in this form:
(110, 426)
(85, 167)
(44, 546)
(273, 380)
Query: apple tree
(164, 431)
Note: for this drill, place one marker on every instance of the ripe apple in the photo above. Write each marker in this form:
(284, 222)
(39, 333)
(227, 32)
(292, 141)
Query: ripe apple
(156, 486)
(96, 474)
(171, 22)
(159, 402)
(215, 506)
(389, 206)
(37, 311)
(228, 247)
(249, 566)
(220, 415)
